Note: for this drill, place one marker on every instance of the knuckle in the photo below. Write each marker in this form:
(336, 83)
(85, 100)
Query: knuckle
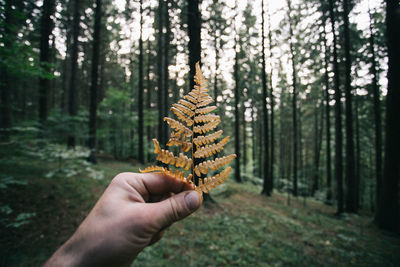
(121, 177)
(175, 216)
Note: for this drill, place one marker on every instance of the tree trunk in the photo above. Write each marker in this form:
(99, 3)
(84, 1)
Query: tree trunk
(72, 97)
(140, 90)
(338, 118)
(237, 100)
(216, 71)
(377, 112)
(387, 215)
(160, 72)
(46, 27)
(5, 107)
(194, 30)
(267, 190)
(328, 121)
(294, 107)
(95, 81)
(272, 128)
(315, 184)
(253, 140)
(165, 66)
(351, 201)
(358, 154)
(148, 98)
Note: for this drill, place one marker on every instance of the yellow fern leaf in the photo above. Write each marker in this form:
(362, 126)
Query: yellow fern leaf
(206, 127)
(168, 157)
(182, 116)
(204, 167)
(206, 118)
(176, 174)
(187, 104)
(209, 183)
(190, 98)
(185, 146)
(205, 110)
(206, 139)
(184, 109)
(153, 169)
(177, 126)
(194, 119)
(204, 101)
(209, 150)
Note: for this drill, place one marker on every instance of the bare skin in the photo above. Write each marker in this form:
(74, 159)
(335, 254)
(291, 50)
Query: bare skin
(133, 213)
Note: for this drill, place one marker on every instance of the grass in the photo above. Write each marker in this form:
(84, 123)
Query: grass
(244, 228)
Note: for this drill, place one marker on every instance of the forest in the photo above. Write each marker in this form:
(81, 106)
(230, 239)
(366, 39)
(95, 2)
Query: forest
(308, 91)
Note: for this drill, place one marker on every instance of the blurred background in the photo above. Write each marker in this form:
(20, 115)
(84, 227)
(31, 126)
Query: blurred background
(307, 90)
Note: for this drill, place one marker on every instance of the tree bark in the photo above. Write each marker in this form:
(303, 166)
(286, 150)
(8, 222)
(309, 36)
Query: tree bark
(194, 30)
(387, 215)
(377, 112)
(237, 100)
(338, 117)
(294, 105)
(272, 128)
(149, 94)
(351, 201)
(267, 190)
(140, 90)
(160, 70)
(5, 107)
(72, 96)
(328, 121)
(167, 38)
(95, 82)
(46, 27)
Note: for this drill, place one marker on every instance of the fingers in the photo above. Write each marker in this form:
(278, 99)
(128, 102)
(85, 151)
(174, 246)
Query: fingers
(175, 208)
(156, 183)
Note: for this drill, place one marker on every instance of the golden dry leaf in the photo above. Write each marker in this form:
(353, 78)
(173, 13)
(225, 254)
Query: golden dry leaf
(194, 119)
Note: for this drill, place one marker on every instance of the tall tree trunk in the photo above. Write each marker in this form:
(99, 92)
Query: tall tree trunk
(328, 121)
(149, 94)
(253, 140)
(5, 107)
(387, 215)
(72, 97)
(237, 101)
(267, 190)
(46, 27)
(358, 153)
(244, 134)
(272, 134)
(160, 72)
(351, 201)
(294, 105)
(377, 111)
(140, 90)
(216, 71)
(194, 30)
(338, 117)
(167, 38)
(315, 184)
(95, 81)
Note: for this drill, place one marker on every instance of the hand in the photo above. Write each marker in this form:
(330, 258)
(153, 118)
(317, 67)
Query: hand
(133, 213)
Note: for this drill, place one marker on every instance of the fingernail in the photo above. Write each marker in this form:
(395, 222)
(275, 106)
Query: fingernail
(192, 200)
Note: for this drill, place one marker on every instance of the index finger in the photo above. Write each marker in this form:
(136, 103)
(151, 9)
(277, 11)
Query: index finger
(158, 184)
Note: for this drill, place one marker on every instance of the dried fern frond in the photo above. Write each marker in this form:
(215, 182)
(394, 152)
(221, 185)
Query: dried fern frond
(193, 134)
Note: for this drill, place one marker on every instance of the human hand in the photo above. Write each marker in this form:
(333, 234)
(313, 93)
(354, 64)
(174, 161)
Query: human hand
(133, 213)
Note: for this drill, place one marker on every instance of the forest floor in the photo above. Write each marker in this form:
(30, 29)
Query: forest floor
(43, 200)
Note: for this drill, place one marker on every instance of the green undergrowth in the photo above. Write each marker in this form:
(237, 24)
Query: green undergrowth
(43, 199)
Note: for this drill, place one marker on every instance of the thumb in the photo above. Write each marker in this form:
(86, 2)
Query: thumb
(176, 207)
